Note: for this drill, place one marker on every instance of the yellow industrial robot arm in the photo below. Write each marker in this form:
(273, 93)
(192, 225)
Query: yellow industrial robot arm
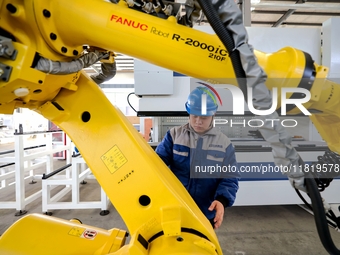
(160, 215)
(58, 30)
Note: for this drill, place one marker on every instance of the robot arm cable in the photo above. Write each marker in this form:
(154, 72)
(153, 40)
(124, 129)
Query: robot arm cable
(282, 149)
(326, 168)
(109, 70)
(228, 41)
(56, 67)
(226, 20)
(128, 100)
(320, 217)
(332, 220)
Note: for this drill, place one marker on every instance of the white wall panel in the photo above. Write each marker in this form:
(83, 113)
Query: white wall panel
(331, 47)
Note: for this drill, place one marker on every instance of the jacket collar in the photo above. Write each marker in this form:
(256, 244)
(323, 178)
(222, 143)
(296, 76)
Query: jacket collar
(211, 131)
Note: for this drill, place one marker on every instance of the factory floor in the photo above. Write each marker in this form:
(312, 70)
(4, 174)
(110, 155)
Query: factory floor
(250, 230)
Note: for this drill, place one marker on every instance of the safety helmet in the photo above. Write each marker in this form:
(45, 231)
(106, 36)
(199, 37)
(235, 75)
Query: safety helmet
(194, 102)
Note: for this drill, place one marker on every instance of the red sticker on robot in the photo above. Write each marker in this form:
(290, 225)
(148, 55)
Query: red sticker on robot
(89, 234)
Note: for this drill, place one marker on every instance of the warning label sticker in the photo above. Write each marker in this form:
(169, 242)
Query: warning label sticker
(114, 159)
(76, 231)
(89, 234)
(83, 233)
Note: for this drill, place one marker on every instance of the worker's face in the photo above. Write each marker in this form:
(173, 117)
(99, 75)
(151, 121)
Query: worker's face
(200, 124)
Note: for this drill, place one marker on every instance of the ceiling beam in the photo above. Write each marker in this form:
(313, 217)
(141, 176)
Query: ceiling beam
(312, 6)
(287, 23)
(310, 1)
(297, 13)
(285, 16)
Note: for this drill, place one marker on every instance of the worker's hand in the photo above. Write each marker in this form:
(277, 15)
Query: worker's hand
(219, 208)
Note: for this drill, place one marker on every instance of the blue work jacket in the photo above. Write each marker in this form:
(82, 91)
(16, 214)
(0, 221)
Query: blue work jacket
(192, 158)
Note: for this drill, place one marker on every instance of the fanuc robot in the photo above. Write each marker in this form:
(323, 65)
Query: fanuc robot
(44, 45)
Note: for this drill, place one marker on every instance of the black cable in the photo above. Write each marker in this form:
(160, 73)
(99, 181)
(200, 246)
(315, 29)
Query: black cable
(304, 200)
(310, 208)
(129, 101)
(227, 40)
(154, 2)
(161, 3)
(323, 177)
(320, 217)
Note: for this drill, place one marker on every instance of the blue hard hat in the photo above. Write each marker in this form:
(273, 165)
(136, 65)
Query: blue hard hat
(194, 102)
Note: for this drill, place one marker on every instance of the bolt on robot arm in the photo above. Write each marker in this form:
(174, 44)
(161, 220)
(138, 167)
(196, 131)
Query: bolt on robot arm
(161, 217)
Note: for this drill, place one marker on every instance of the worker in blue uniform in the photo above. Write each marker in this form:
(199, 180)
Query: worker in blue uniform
(202, 157)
